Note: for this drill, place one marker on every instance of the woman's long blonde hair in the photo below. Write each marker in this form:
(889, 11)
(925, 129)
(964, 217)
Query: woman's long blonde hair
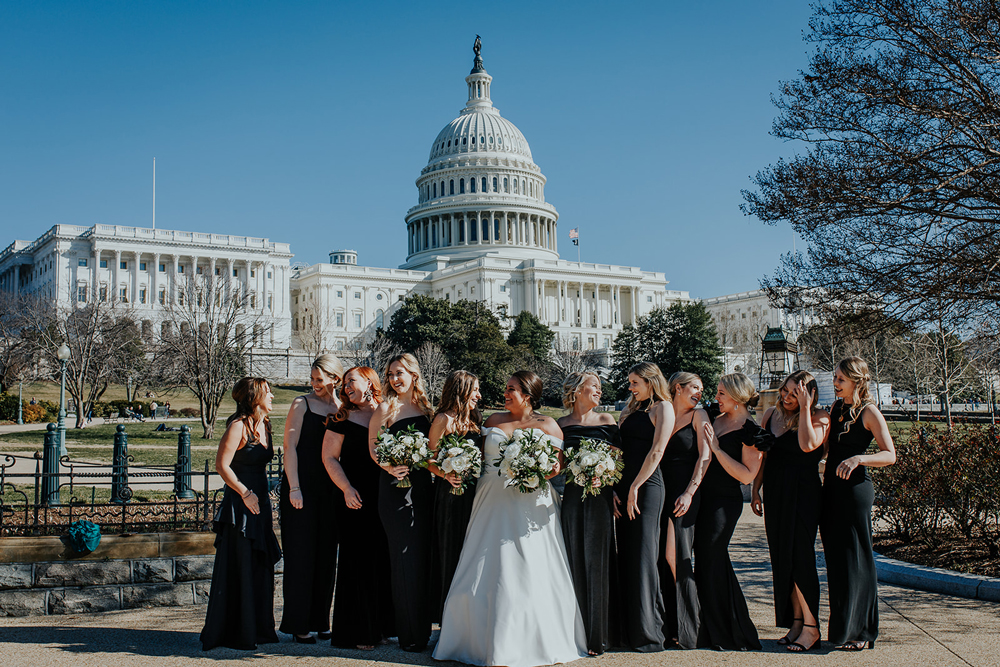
(409, 362)
(456, 397)
(791, 417)
(856, 370)
(652, 374)
(572, 384)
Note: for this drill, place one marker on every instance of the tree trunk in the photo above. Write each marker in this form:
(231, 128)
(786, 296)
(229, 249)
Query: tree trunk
(207, 419)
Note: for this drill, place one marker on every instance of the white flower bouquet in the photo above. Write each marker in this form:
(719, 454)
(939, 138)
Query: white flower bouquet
(406, 448)
(460, 456)
(526, 458)
(593, 465)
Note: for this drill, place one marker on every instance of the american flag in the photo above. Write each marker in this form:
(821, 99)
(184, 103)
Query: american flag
(574, 233)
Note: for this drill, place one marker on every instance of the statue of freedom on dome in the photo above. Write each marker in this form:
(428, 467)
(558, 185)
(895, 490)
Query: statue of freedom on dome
(477, 66)
(477, 47)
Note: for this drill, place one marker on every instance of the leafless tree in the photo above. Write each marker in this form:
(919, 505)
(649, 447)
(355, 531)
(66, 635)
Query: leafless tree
(372, 349)
(314, 331)
(568, 359)
(18, 361)
(435, 368)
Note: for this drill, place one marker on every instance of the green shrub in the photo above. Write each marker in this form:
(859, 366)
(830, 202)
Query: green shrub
(8, 407)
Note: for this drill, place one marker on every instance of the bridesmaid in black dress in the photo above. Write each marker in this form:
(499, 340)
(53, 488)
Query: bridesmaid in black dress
(846, 520)
(683, 464)
(457, 413)
(645, 424)
(406, 512)
(792, 500)
(362, 603)
(725, 618)
(308, 527)
(241, 602)
(588, 521)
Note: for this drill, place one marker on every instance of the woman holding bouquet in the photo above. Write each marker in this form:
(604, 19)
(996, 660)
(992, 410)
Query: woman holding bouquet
(725, 618)
(588, 520)
(511, 601)
(456, 415)
(362, 604)
(406, 509)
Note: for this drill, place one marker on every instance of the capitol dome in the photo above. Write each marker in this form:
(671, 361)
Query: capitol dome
(481, 192)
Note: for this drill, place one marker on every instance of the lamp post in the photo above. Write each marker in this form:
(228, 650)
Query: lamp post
(63, 355)
(20, 402)
(779, 356)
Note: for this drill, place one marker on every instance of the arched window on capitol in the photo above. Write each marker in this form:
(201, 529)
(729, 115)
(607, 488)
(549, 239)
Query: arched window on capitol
(461, 186)
(451, 187)
(485, 188)
(494, 184)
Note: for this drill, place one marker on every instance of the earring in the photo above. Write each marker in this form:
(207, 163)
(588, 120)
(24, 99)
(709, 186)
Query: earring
(369, 394)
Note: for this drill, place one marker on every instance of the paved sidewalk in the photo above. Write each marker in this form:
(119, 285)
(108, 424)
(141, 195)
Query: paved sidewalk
(917, 628)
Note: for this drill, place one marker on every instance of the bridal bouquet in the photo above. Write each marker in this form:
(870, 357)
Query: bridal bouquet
(406, 448)
(526, 457)
(460, 456)
(593, 465)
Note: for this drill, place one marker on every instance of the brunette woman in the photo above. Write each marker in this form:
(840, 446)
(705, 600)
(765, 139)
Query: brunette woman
(791, 506)
(725, 619)
(846, 519)
(362, 604)
(588, 521)
(241, 602)
(406, 512)
(645, 426)
(308, 527)
(684, 462)
(458, 414)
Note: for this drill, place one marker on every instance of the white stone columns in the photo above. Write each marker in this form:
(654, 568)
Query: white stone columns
(174, 278)
(96, 280)
(134, 297)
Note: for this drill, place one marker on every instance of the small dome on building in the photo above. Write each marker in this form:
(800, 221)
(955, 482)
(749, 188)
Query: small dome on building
(343, 257)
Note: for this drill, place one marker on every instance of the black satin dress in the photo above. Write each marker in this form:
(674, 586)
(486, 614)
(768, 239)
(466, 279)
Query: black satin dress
(792, 495)
(362, 604)
(240, 611)
(588, 530)
(846, 527)
(407, 515)
(638, 540)
(309, 535)
(451, 520)
(683, 611)
(725, 618)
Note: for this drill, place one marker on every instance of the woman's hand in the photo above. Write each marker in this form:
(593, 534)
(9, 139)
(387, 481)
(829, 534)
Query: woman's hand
(352, 498)
(616, 505)
(555, 470)
(399, 472)
(713, 444)
(454, 479)
(847, 466)
(632, 506)
(756, 504)
(250, 500)
(683, 503)
(804, 396)
(295, 498)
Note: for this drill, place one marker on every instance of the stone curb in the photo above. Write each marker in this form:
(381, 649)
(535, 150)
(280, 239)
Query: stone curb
(937, 580)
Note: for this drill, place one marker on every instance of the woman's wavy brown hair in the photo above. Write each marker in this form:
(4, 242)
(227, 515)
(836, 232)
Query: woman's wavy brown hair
(791, 417)
(456, 397)
(409, 362)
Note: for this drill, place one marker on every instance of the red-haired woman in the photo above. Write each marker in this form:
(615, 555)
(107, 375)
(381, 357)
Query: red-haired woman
(241, 603)
(362, 603)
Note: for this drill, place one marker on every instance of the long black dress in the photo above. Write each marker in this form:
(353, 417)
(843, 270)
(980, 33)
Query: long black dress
(725, 618)
(451, 520)
(792, 499)
(588, 529)
(362, 604)
(846, 527)
(683, 611)
(241, 603)
(406, 514)
(309, 535)
(638, 540)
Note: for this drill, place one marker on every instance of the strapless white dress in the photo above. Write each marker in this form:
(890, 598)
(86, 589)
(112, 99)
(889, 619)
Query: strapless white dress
(512, 600)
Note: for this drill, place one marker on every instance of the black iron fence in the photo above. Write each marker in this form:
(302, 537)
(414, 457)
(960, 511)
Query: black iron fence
(43, 494)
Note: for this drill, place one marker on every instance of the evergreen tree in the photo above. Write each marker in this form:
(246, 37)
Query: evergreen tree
(531, 333)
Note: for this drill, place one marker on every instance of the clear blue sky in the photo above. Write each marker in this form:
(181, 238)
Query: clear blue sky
(308, 122)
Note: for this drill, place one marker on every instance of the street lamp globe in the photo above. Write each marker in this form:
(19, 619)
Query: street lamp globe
(63, 352)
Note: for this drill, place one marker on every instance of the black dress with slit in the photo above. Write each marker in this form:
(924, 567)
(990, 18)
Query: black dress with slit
(638, 540)
(451, 521)
(846, 527)
(240, 610)
(588, 530)
(683, 612)
(362, 603)
(725, 618)
(309, 535)
(792, 494)
(407, 515)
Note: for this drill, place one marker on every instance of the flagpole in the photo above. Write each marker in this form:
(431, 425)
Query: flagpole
(154, 193)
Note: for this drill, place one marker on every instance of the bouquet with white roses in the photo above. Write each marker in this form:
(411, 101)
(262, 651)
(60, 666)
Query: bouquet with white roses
(461, 456)
(526, 458)
(593, 465)
(406, 448)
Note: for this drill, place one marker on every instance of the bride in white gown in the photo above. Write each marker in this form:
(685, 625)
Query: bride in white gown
(512, 600)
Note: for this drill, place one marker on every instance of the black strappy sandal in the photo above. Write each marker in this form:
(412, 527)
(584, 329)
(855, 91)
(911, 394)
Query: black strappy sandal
(785, 641)
(796, 647)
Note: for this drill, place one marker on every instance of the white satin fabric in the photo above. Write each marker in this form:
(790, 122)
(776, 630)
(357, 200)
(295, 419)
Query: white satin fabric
(512, 600)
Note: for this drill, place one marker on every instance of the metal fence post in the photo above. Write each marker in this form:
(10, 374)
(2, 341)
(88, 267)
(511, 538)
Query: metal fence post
(182, 471)
(120, 492)
(50, 466)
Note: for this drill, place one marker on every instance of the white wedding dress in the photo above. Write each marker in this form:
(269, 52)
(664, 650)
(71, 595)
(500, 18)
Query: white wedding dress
(512, 600)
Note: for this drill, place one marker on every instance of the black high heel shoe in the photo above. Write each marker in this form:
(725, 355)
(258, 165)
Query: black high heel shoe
(796, 647)
(308, 639)
(856, 646)
(325, 636)
(785, 641)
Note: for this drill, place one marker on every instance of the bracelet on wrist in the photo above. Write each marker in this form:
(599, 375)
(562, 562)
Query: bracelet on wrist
(247, 494)
(294, 488)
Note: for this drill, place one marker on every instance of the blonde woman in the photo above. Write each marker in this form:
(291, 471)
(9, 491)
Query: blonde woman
(684, 462)
(645, 425)
(846, 519)
(588, 521)
(406, 512)
(308, 526)
(791, 505)
(726, 623)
